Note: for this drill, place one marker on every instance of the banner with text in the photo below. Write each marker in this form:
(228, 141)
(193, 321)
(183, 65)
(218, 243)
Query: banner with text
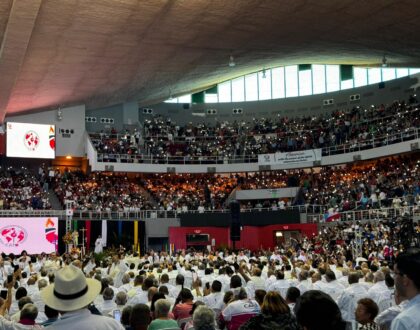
(293, 157)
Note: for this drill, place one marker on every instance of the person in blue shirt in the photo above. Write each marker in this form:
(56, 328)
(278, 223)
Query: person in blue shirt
(407, 284)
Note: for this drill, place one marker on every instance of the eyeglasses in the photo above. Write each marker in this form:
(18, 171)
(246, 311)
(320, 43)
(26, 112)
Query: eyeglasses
(398, 273)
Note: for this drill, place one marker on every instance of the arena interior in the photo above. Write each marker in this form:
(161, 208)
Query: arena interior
(229, 164)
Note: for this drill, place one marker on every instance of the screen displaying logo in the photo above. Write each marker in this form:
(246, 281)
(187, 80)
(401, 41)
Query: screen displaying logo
(13, 235)
(25, 140)
(31, 140)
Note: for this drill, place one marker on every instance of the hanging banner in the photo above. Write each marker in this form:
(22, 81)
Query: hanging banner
(136, 237)
(293, 157)
(104, 232)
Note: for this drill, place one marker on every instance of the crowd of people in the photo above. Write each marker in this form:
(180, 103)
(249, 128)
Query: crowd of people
(23, 190)
(100, 192)
(392, 182)
(309, 283)
(353, 129)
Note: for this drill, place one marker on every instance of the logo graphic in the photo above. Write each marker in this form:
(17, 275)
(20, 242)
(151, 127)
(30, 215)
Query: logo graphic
(31, 140)
(13, 235)
(51, 231)
(51, 137)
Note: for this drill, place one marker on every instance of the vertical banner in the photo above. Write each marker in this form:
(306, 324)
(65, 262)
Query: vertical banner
(104, 233)
(136, 236)
(87, 233)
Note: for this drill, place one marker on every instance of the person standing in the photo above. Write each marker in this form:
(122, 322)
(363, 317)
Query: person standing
(71, 294)
(99, 245)
(407, 285)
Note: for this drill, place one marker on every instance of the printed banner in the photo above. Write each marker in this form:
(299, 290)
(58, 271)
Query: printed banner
(293, 157)
(35, 235)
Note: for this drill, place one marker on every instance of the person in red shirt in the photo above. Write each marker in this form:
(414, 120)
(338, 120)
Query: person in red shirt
(183, 305)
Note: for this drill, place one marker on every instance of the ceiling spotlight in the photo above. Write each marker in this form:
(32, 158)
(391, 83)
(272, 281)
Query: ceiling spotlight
(384, 62)
(231, 61)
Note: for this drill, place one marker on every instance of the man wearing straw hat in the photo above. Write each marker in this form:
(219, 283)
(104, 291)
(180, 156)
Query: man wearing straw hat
(70, 294)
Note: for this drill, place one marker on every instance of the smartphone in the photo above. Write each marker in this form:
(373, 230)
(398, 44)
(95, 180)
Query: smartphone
(3, 293)
(116, 314)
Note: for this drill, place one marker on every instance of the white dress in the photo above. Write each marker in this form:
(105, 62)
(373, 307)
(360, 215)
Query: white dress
(98, 245)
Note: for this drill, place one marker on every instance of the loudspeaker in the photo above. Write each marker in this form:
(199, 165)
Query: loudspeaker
(235, 224)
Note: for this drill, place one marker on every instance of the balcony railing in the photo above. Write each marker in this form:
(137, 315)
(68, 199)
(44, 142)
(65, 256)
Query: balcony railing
(379, 141)
(314, 213)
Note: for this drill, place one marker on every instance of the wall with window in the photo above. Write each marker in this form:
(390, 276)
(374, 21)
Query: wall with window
(384, 92)
(297, 80)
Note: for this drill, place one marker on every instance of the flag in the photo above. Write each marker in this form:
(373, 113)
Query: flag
(104, 232)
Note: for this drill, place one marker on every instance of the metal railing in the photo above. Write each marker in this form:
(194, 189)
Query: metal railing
(371, 214)
(314, 213)
(379, 141)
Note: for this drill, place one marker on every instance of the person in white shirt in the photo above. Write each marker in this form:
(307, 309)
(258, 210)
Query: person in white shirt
(215, 299)
(347, 301)
(70, 294)
(99, 245)
(385, 318)
(126, 284)
(141, 295)
(304, 284)
(207, 278)
(280, 285)
(332, 287)
(91, 265)
(407, 284)
(108, 303)
(379, 288)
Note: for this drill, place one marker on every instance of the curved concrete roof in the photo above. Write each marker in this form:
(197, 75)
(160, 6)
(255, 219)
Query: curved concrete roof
(103, 52)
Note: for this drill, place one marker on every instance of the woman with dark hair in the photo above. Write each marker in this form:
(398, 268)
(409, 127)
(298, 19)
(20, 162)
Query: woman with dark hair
(315, 310)
(275, 315)
(366, 312)
(155, 298)
(183, 305)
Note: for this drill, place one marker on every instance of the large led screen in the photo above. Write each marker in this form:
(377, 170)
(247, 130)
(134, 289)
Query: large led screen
(35, 235)
(30, 140)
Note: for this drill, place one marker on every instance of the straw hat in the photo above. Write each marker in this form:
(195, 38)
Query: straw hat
(71, 290)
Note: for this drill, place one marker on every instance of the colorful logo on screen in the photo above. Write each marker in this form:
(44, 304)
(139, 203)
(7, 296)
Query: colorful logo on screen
(51, 231)
(31, 140)
(12, 236)
(51, 137)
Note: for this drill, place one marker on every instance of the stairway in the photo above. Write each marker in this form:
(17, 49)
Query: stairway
(54, 201)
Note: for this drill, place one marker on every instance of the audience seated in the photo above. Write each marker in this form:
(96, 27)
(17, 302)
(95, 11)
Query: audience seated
(22, 190)
(274, 277)
(341, 131)
(389, 182)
